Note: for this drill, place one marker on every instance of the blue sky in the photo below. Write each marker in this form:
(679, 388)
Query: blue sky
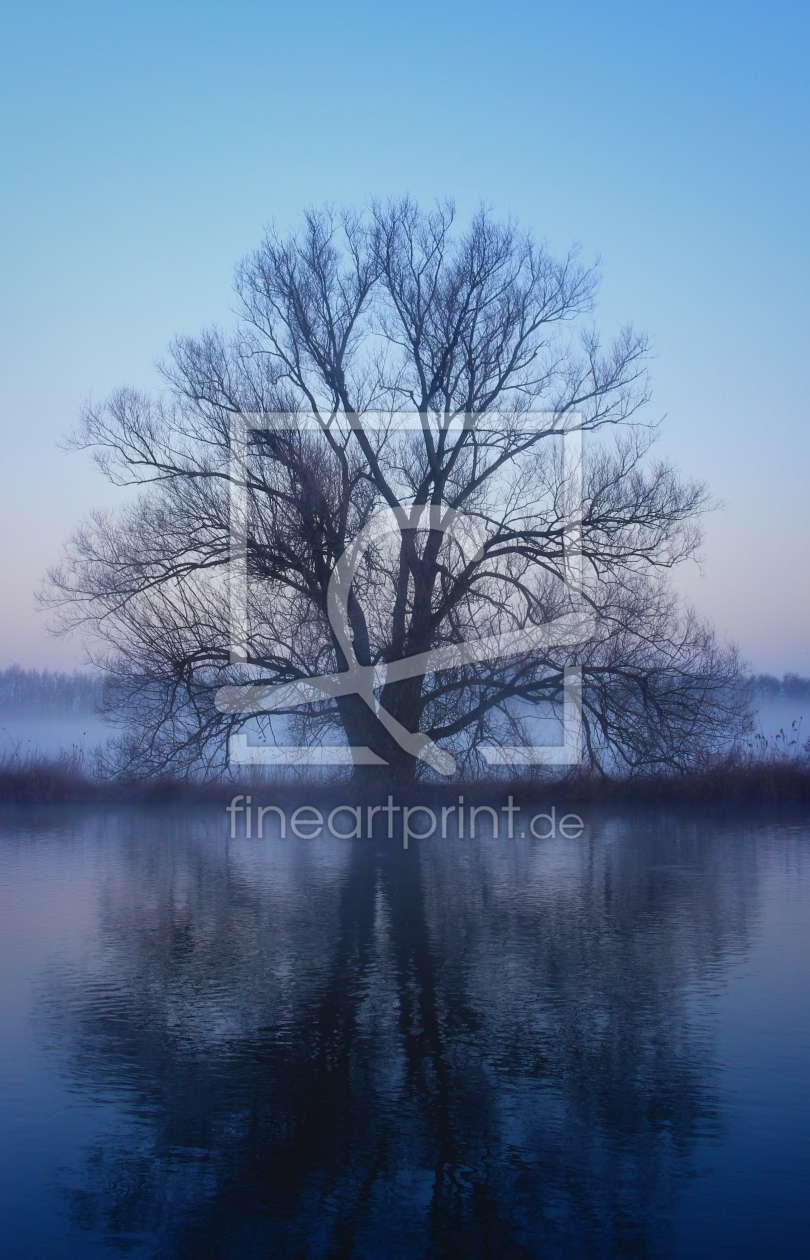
(145, 146)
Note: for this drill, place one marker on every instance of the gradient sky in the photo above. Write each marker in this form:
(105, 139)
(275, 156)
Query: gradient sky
(145, 146)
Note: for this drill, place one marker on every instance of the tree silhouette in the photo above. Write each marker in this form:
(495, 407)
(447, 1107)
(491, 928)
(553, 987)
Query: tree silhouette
(346, 327)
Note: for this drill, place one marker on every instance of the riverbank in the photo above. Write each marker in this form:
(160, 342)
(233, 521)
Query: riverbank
(36, 778)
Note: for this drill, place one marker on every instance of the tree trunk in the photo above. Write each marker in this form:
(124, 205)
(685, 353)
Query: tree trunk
(363, 729)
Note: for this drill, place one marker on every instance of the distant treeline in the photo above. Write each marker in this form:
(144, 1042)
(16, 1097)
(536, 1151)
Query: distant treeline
(790, 687)
(48, 691)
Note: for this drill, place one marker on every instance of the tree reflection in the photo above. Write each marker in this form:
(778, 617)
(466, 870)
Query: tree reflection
(477, 1049)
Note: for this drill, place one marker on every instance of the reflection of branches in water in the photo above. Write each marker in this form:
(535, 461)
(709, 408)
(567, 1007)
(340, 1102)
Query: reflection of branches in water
(471, 1049)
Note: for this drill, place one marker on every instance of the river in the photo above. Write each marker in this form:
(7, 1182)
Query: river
(489, 1047)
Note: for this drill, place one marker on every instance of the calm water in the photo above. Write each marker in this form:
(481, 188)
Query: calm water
(489, 1048)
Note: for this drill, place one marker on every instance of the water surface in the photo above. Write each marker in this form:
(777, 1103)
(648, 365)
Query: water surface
(473, 1048)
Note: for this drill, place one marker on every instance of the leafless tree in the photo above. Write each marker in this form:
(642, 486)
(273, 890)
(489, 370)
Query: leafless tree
(346, 325)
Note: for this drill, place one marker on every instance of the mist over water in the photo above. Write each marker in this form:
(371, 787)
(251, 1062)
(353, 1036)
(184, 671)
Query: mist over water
(217, 1047)
(51, 715)
(52, 733)
(46, 713)
(783, 715)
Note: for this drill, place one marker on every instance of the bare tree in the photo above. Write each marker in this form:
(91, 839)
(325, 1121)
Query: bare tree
(344, 327)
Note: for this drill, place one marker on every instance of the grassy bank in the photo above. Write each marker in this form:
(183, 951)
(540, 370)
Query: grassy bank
(769, 774)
